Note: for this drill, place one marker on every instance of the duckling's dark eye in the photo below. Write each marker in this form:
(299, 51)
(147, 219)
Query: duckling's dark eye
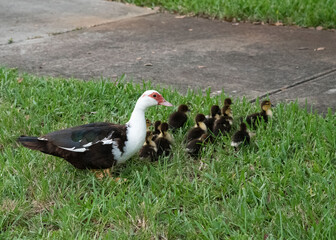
(154, 95)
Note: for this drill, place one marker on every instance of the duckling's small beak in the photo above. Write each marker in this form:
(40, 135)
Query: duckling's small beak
(272, 105)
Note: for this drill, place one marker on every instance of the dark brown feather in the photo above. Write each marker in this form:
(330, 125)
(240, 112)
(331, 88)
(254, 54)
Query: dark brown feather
(178, 119)
(97, 156)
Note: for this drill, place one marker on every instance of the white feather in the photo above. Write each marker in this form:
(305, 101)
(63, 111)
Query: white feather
(73, 149)
(88, 144)
(235, 144)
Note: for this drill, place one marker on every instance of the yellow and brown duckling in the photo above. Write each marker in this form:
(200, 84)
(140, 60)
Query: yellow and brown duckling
(266, 113)
(199, 129)
(195, 146)
(156, 131)
(149, 149)
(241, 137)
(179, 118)
(148, 124)
(164, 141)
(215, 114)
(224, 123)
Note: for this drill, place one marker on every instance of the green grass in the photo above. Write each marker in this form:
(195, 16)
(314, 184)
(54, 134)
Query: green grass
(306, 13)
(282, 186)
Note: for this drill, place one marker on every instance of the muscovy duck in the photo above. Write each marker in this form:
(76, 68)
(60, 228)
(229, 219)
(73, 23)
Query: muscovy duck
(99, 145)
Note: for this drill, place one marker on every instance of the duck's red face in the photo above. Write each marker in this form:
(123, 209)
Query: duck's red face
(161, 101)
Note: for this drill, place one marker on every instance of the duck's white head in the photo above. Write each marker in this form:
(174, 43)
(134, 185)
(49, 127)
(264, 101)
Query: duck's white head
(152, 98)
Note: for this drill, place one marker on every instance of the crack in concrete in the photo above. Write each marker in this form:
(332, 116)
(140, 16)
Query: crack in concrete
(297, 83)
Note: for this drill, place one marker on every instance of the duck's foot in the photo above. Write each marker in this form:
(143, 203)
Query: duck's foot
(101, 173)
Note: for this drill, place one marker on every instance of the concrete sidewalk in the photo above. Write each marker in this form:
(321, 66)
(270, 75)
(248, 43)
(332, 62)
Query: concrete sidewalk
(249, 60)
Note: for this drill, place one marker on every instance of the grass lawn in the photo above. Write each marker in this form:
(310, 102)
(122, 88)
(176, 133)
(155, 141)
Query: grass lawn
(306, 13)
(281, 186)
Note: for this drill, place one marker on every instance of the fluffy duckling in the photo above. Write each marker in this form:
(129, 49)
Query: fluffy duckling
(164, 140)
(266, 112)
(156, 131)
(199, 129)
(227, 112)
(227, 102)
(222, 125)
(179, 118)
(148, 124)
(194, 146)
(215, 114)
(240, 137)
(149, 149)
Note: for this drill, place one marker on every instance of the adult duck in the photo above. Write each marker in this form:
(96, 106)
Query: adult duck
(99, 145)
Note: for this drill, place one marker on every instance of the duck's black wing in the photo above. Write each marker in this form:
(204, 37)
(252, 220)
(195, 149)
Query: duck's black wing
(86, 146)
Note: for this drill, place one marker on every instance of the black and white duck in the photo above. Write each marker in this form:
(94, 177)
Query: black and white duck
(99, 145)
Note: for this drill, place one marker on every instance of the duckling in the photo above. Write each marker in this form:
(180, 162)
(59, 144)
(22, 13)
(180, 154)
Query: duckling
(156, 131)
(199, 129)
(148, 124)
(215, 114)
(266, 112)
(149, 149)
(227, 102)
(227, 112)
(195, 146)
(240, 137)
(164, 140)
(179, 118)
(222, 125)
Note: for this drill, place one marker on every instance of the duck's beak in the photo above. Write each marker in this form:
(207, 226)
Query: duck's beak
(165, 103)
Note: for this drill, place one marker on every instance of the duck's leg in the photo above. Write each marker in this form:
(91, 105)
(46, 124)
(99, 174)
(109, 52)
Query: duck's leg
(107, 172)
(101, 173)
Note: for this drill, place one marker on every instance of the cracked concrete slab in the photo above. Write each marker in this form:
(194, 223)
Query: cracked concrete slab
(243, 60)
(318, 94)
(31, 19)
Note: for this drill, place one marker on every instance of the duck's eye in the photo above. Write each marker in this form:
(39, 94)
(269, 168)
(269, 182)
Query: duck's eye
(154, 95)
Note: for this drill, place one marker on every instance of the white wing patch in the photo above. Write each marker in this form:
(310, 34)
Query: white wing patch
(105, 141)
(88, 144)
(42, 139)
(73, 149)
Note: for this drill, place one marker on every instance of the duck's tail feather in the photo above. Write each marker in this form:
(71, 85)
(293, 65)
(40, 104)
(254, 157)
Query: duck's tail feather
(33, 143)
